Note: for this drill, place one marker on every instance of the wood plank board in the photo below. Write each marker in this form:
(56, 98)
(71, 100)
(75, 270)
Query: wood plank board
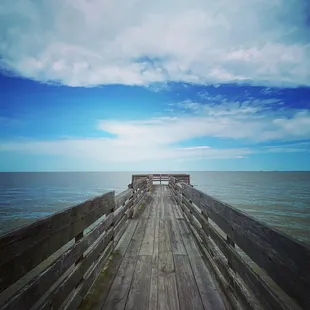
(286, 260)
(167, 289)
(189, 297)
(98, 293)
(154, 275)
(25, 248)
(135, 243)
(147, 245)
(176, 239)
(118, 294)
(138, 298)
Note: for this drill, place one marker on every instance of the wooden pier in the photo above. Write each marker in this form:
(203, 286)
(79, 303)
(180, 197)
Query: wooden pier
(153, 246)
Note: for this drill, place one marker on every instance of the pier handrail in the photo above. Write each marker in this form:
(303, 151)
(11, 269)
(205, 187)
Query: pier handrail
(282, 258)
(53, 262)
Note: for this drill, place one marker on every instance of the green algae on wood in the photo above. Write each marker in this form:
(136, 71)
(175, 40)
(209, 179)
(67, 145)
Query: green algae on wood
(98, 292)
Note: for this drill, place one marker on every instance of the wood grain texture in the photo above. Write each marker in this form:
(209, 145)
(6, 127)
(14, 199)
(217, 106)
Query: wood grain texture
(118, 293)
(138, 297)
(90, 277)
(57, 296)
(25, 248)
(122, 197)
(176, 239)
(167, 289)
(147, 245)
(189, 296)
(285, 259)
(153, 299)
(97, 295)
(30, 293)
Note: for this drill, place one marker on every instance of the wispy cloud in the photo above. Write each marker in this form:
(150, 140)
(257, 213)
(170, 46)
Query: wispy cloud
(87, 43)
(167, 137)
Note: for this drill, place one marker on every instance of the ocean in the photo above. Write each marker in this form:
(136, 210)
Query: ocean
(280, 199)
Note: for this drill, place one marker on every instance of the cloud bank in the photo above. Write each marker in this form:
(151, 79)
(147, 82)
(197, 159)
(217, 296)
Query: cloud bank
(134, 42)
(258, 127)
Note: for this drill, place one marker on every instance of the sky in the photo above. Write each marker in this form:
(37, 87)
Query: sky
(174, 85)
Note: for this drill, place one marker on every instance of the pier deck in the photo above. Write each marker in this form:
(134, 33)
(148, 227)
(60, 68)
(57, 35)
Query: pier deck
(161, 266)
(153, 247)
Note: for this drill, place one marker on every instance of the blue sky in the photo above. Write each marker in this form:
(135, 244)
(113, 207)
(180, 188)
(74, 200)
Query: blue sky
(175, 85)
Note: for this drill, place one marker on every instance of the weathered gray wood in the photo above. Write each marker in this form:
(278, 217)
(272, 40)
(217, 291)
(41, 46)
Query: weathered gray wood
(212, 262)
(176, 239)
(167, 289)
(267, 296)
(97, 295)
(177, 211)
(147, 245)
(24, 248)
(188, 240)
(120, 224)
(119, 214)
(59, 294)
(120, 233)
(118, 293)
(153, 300)
(285, 259)
(210, 294)
(245, 296)
(261, 289)
(138, 297)
(135, 244)
(122, 197)
(90, 277)
(189, 296)
(30, 293)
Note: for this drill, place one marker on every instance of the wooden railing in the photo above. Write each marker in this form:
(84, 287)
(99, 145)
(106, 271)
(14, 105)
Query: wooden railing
(52, 263)
(274, 273)
(163, 177)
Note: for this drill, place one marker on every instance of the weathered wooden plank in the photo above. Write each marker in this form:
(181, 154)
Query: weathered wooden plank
(138, 297)
(59, 294)
(24, 248)
(119, 214)
(261, 289)
(118, 293)
(120, 233)
(176, 239)
(177, 212)
(30, 293)
(122, 197)
(90, 277)
(147, 245)
(244, 295)
(167, 289)
(135, 244)
(285, 259)
(97, 295)
(153, 300)
(189, 296)
(227, 295)
(210, 294)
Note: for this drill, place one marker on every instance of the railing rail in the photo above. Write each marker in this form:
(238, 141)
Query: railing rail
(53, 262)
(285, 260)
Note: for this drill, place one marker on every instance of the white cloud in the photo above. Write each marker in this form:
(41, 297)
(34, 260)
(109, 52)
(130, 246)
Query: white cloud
(86, 43)
(166, 138)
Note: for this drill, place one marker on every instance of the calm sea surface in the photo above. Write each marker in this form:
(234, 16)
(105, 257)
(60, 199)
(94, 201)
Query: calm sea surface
(281, 199)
